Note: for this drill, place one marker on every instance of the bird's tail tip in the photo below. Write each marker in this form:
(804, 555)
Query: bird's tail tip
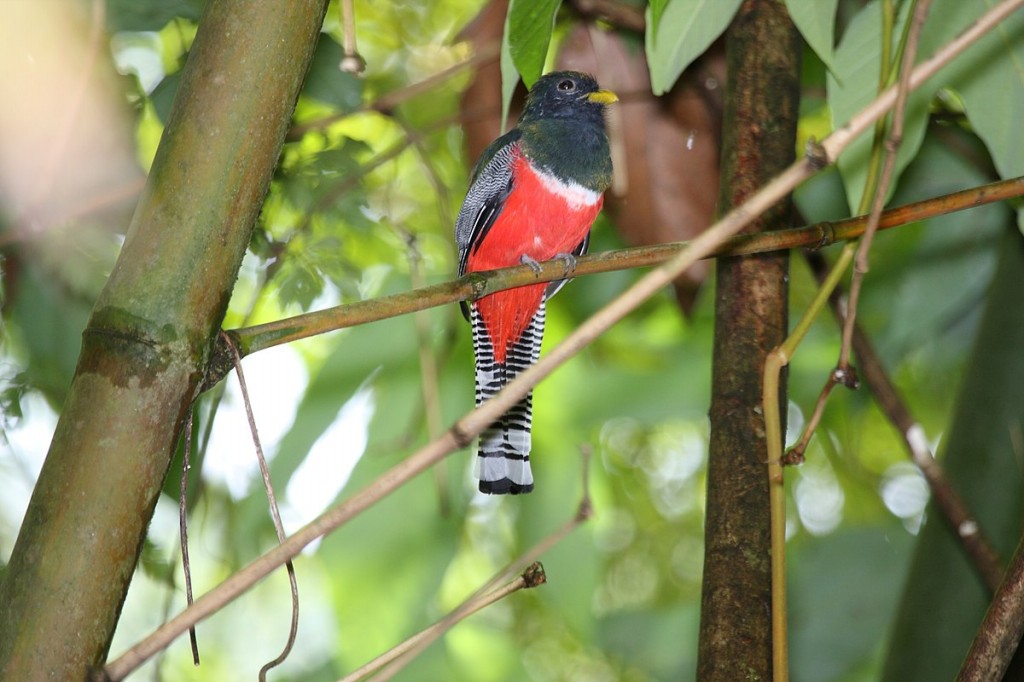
(504, 473)
(505, 486)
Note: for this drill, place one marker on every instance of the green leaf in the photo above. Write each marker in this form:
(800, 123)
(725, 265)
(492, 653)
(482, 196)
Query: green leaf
(300, 283)
(152, 15)
(155, 564)
(509, 77)
(50, 320)
(864, 604)
(163, 95)
(528, 30)
(524, 46)
(657, 9)
(853, 84)
(988, 75)
(910, 307)
(816, 20)
(980, 453)
(990, 80)
(678, 31)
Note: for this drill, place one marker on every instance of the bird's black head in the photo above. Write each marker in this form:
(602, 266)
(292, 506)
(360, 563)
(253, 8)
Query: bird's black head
(566, 94)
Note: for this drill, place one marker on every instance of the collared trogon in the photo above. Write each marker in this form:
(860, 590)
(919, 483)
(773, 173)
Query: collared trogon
(533, 196)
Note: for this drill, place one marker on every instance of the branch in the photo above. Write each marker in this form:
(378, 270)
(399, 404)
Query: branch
(186, 565)
(275, 512)
(388, 101)
(533, 577)
(954, 508)
(476, 285)
(527, 559)
(892, 145)
(148, 339)
(739, 637)
(1001, 629)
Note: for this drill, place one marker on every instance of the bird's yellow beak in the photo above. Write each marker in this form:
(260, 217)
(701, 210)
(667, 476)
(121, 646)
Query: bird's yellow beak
(603, 97)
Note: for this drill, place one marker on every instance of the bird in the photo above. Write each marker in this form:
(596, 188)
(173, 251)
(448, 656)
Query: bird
(532, 197)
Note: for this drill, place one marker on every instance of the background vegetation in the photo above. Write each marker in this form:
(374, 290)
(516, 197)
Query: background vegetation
(362, 205)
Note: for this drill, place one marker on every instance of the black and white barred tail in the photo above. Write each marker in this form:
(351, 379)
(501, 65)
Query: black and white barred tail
(503, 457)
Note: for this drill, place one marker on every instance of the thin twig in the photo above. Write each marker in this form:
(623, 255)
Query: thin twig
(843, 372)
(429, 383)
(528, 559)
(876, 187)
(954, 509)
(892, 144)
(183, 530)
(532, 577)
(475, 421)
(389, 100)
(352, 62)
(1000, 631)
(275, 513)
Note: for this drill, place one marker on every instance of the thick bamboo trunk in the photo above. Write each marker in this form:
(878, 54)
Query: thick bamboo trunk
(149, 337)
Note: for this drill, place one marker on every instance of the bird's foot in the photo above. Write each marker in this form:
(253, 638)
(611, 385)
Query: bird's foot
(568, 263)
(534, 265)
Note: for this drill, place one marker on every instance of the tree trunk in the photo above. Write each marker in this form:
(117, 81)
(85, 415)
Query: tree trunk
(149, 337)
(761, 105)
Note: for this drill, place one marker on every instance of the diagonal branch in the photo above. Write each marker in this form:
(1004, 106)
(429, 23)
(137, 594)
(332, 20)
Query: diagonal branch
(399, 656)
(1000, 631)
(533, 577)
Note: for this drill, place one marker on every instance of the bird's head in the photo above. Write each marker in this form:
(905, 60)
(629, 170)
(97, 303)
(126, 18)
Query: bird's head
(566, 94)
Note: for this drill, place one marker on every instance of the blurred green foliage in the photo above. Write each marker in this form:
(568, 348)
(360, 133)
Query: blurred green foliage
(362, 201)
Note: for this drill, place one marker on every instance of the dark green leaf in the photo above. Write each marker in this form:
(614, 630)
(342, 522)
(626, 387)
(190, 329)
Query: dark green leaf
(816, 20)
(149, 15)
(155, 565)
(328, 83)
(685, 29)
(529, 27)
(163, 95)
(858, 573)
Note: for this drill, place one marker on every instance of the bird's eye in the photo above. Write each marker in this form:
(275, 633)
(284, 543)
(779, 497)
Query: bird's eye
(566, 86)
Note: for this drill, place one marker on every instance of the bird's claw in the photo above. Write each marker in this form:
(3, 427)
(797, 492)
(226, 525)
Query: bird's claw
(534, 265)
(568, 263)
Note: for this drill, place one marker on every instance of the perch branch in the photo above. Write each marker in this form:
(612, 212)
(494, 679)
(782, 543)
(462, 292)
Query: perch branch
(473, 286)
